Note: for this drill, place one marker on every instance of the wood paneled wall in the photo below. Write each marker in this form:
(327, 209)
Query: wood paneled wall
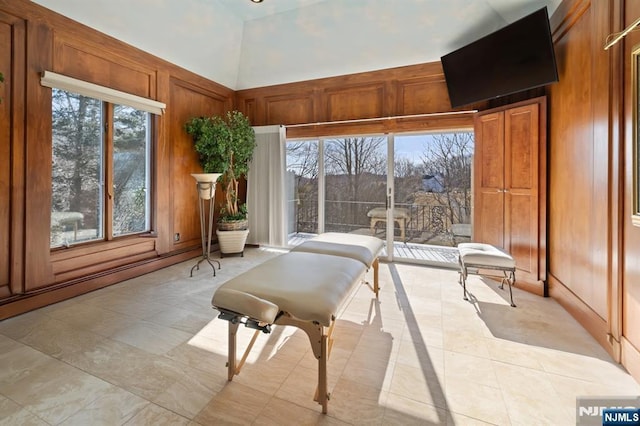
(593, 247)
(578, 155)
(396, 99)
(34, 39)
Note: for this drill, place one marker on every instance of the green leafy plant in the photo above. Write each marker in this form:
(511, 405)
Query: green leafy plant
(225, 144)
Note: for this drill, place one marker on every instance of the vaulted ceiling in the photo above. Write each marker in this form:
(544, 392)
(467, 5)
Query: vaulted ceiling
(241, 45)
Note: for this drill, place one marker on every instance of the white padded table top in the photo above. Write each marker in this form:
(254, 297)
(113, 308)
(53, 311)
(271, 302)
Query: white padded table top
(485, 254)
(309, 286)
(360, 247)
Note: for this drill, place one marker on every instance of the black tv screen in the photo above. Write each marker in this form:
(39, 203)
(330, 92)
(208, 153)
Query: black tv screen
(517, 57)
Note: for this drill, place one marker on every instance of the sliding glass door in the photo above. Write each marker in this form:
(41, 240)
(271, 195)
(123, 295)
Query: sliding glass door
(432, 193)
(302, 183)
(355, 173)
(413, 191)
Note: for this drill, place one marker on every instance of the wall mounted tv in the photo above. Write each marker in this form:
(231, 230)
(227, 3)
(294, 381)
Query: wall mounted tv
(517, 57)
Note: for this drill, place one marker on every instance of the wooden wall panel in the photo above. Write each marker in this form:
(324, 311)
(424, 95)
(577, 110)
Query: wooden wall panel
(572, 162)
(395, 92)
(352, 103)
(188, 101)
(93, 64)
(14, 99)
(72, 264)
(37, 220)
(6, 47)
(293, 109)
(35, 39)
(584, 154)
(423, 94)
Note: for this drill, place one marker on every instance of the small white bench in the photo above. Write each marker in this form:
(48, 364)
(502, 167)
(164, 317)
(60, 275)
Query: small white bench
(379, 214)
(477, 256)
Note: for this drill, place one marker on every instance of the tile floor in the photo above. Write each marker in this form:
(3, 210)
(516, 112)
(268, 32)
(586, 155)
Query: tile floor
(150, 351)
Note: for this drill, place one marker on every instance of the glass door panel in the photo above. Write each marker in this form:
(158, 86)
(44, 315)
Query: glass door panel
(432, 195)
(355, 181)
(301, 186)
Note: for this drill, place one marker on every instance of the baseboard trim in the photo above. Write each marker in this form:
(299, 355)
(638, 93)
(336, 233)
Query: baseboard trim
(537, 288)
(630, 358)
(587, 317)
(64, 291)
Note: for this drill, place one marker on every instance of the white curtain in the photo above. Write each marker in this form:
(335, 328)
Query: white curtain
(266, 188)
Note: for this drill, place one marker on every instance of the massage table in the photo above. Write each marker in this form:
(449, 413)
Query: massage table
(363, 248)
(300, 289)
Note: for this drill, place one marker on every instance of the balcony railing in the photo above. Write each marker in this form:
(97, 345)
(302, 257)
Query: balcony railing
(426, 224)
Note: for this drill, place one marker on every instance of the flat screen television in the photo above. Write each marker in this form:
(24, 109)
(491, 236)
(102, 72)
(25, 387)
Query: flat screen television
(517, 57)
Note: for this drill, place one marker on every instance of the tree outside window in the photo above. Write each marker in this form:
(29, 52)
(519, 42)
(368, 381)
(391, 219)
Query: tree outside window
(100, 169)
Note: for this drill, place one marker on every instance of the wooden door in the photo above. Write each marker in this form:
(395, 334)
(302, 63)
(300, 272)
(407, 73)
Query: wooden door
(488, 213)
(521, 188)
(509, 210)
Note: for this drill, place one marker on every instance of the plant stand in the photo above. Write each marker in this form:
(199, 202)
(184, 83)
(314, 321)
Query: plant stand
(206, 186)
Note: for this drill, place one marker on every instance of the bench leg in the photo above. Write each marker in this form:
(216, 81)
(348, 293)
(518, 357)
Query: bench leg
(510, 279)
(401, 224)
(376, 267)
(462, 279)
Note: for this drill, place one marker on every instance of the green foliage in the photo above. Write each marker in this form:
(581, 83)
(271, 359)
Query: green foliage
(241, 215)
(225, 144)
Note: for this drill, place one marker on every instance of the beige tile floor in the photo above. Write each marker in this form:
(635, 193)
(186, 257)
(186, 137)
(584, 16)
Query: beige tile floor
(150, 351)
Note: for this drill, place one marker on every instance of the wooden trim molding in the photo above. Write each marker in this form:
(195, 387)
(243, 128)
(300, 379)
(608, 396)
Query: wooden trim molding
(54, 294)
(566, 15)
(587, 317)
(422, 122)
(630, 358)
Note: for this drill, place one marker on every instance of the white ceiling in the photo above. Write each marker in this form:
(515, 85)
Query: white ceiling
(243, 45)
(248, 10)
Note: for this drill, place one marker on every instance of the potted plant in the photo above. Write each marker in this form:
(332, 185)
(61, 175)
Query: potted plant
(225, 144)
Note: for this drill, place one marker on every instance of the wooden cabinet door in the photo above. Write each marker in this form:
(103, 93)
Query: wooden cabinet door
(521, 188)
(488, 216)
(507, 204)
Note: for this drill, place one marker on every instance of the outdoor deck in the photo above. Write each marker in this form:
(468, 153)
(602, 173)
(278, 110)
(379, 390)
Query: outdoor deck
(420, 253)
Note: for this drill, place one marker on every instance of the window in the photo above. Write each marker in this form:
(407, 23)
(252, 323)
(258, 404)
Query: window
(100, 169)
(355, 183)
